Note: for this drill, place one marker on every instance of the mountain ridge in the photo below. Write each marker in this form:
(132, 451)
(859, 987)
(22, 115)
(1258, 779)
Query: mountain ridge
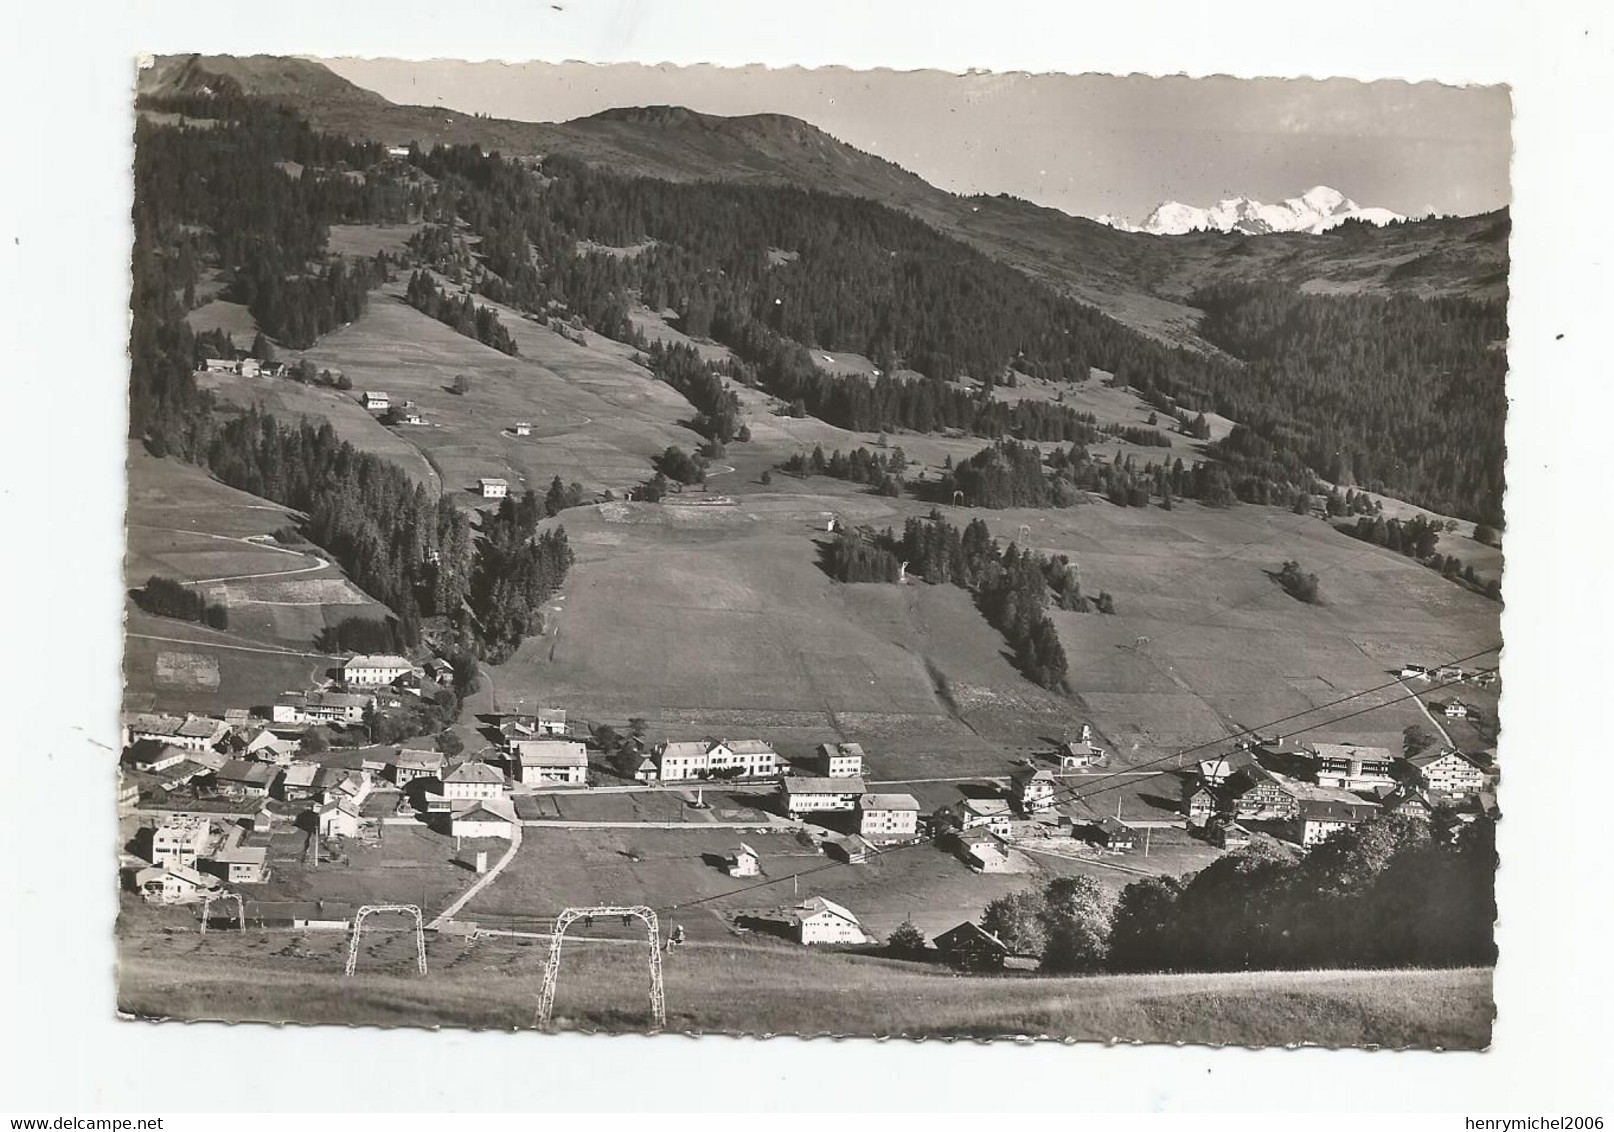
(1317, 210)
(1143, 282)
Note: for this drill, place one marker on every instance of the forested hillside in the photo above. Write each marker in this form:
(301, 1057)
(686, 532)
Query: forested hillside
(239, 192)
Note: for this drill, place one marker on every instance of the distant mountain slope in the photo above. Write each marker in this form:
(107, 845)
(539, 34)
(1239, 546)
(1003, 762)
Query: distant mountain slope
(1142, 281)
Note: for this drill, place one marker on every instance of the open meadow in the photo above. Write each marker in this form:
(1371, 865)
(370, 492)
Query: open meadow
(185, 525)
(759, 988)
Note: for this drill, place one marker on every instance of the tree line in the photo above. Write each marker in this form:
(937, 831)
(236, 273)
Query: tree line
(883, 472)
(461, 315)
(168, 597)
(1391, 892)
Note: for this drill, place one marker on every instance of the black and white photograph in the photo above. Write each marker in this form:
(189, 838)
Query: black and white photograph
(707, 563)
(738, 562)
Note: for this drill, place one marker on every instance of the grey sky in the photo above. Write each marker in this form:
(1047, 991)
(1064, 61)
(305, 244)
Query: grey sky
(1087, 144)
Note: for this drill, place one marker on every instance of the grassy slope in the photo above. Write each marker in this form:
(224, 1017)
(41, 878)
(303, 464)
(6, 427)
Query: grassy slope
(764, 990)
(184, 524)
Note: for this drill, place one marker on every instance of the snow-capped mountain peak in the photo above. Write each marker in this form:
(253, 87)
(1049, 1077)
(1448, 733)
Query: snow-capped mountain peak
(1316, 210)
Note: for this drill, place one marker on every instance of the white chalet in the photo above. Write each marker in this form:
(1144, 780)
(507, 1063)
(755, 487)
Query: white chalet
(743, 862)
(493, 488)
(817, 920)
(377, 400)
(1449, 772)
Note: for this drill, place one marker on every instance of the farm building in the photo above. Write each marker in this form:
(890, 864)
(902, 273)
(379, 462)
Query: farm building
(493, 488)
(549, 760)
(984, 852)
(1226, 834)
(886, 818)
(1414, 672)
(377, 400)
(1032, 791)
(243, 864)
(1449, 771)
(740, 758)
(804, 795)
(1347, 766)
(1112, 834)
(474, 780)
(970, 947)
(297, 783)
(374, 671)
(409, 765)
(840, 760)
(817, 920)
(1199, 803)
(241, 779)
(153, 757)
(848, 847)
(179, 841)
(482, 817)
(743, 862)
(218, 365)
(991, 813)
(1456, 709)
(1450, 672)
(523, 428)
(551, 721)
(177, 885)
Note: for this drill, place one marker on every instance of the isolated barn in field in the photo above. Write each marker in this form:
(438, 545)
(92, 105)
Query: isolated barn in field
(493, 488)
(377, 400)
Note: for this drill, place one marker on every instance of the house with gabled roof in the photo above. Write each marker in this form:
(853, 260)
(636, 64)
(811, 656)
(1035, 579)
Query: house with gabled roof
(887, 818)
(241, 779)
(849, 847)
(338, 818)
(1199, 802)
(411, 764)
(178, 884)
(1351, 766)
(970, 947)
(373, 671)
(299, 783)
(1225, 833)
(802, 794)
(1112, 834)
(984, 851)
(1256, 792)
(474, 780)
(549, 760)
(483, 817)
(1448, 771)
(743, 861)
(1408, 801)
(1032, 790)
(706, 758)
(243, 864)
(817, 920)
(992, 814)
(840, 760)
